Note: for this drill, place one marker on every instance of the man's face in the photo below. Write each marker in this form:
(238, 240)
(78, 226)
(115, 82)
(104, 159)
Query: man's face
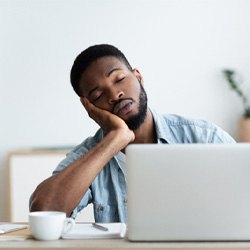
(111, 86)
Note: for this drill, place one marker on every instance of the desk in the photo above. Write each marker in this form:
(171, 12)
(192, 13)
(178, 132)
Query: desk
(115, 244)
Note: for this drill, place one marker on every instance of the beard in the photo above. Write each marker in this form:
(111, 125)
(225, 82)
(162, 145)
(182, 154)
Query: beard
(135, 121)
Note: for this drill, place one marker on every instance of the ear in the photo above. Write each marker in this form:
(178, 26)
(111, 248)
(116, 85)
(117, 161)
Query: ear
(138, 75)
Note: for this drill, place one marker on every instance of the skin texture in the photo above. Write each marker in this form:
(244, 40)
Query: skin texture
(111, 97)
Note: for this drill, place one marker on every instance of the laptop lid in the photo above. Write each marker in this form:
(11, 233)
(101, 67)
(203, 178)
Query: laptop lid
(188, 192)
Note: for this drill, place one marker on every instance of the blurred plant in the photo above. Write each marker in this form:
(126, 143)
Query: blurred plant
(236, 83)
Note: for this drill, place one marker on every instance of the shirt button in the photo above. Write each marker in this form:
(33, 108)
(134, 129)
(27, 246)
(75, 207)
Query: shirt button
(101, 208)
(125, 200)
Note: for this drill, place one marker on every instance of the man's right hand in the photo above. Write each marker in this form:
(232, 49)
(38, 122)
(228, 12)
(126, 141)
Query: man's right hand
(106, 120)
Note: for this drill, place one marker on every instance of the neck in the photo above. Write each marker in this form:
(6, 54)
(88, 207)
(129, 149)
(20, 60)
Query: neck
(146, 132)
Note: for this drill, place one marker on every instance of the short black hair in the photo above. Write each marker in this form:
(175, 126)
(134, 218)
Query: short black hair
(89, 55)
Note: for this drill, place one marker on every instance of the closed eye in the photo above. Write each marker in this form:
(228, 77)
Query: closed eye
(119, 80)
(96, 96)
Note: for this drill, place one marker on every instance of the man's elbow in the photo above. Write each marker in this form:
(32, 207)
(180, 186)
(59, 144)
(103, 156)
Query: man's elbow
(36, 204)
(41, 199)
(39, 204)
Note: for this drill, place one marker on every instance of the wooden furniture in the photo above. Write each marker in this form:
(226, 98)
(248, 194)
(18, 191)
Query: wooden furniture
(114, 244)
(26, 170)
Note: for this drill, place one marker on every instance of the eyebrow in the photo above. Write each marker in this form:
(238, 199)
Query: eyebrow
(113, 70)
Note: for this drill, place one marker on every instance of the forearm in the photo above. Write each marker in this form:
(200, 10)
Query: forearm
(64, 191)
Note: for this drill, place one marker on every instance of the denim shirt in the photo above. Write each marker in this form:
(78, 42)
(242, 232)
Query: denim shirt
(108, 190)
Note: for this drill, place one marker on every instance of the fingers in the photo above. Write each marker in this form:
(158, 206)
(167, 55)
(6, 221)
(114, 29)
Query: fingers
(97, 114)
(88, 105)
(90, 108)
(104, 118)
(84, 100)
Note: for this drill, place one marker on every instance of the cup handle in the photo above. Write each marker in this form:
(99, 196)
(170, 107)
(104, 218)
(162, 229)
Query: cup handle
(68, 225)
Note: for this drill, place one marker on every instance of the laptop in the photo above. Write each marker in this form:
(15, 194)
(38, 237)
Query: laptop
(188, 192)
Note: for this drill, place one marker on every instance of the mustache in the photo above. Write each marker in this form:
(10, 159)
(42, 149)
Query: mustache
(120, 103)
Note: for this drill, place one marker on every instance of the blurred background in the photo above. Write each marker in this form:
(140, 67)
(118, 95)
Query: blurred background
(179, 46)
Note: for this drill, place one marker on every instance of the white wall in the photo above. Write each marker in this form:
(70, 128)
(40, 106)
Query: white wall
(180, 46)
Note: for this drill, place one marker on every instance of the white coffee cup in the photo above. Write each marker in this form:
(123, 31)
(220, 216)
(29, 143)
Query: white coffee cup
(49, 225)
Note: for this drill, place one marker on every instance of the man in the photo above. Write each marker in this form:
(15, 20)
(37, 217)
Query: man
(113, 95)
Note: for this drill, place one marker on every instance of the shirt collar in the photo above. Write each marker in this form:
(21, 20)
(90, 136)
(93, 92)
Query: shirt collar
(163, 136)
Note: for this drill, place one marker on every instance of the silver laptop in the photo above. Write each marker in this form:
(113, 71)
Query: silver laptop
(188, 192)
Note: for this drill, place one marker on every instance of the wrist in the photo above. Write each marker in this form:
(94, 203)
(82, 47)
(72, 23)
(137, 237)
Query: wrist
(121, 137)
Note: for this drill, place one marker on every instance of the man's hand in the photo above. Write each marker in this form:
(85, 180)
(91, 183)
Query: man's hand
(107, 121)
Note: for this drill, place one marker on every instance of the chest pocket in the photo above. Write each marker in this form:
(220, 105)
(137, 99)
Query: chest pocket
(106, 213)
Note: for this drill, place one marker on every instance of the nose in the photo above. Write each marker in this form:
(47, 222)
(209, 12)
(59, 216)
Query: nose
(115, 96)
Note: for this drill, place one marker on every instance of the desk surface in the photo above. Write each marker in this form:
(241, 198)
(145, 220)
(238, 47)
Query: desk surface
(114, 244)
